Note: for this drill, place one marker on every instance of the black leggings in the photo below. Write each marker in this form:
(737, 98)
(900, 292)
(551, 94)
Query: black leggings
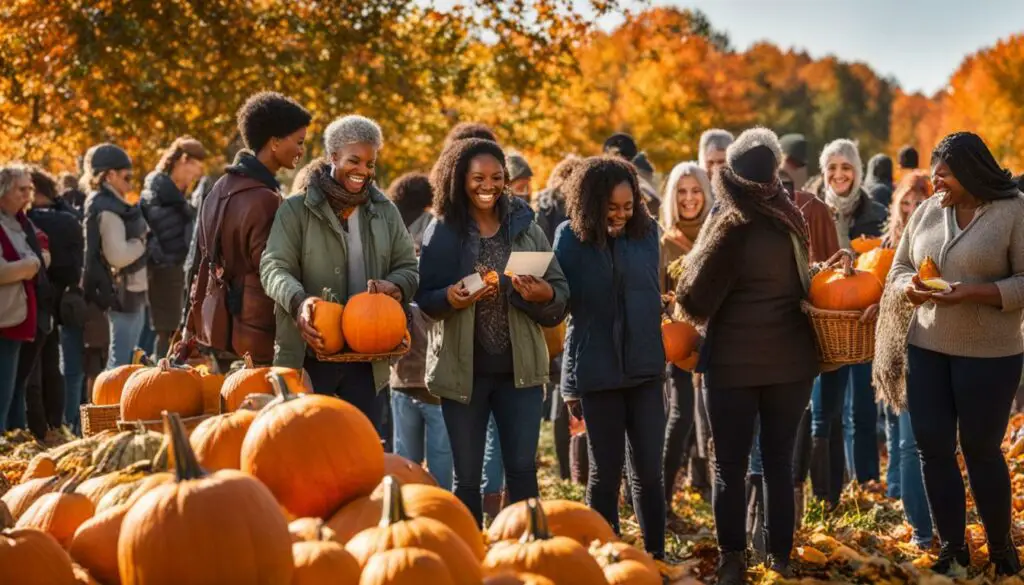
(973, 395)
(733, 412)
(39, 372)
(638, 414)
(679, 427)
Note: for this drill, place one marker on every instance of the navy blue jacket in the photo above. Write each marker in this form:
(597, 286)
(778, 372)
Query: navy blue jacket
(614, 335)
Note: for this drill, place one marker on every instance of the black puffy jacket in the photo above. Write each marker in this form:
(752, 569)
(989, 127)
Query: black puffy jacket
(170, 218)
(67, 243)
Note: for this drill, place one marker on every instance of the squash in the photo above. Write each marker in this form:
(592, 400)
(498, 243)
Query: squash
(217, 440)
(625, 565)
(219, 528)
(832, 290)
(327, 320)
(863, 244)
(41, 465)
(59, 513)
(811, 555)
(928, 269)
(559, 558)
(109, 384)
(348, 463)
(562, 517)
(151, 391)
(252, 380)
(406, 566)
(126, 449)
(877, 262)
(373, 323)
(20, 497)
(320, 561)
(680, 340)
(33, 557)
(94, 545)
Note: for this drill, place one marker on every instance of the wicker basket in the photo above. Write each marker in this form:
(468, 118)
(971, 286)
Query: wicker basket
(842, 338)
(97, 418)
(190, 424)
(349, 357)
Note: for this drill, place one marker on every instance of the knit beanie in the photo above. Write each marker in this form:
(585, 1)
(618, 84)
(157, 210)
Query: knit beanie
(518, 168)
(755, 155)
(908, 157)
(794, 146)
(106, 157)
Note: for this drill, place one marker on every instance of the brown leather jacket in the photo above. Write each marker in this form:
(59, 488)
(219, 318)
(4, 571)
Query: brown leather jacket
(822, 228)
(243, 204)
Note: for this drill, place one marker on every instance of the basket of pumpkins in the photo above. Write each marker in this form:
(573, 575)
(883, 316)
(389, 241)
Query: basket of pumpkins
(371, 326)
(836, 303)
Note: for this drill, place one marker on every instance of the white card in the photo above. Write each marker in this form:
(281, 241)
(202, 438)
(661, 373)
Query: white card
(473, 282)
(529, 263)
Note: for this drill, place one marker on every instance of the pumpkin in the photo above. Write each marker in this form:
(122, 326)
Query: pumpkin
(625, 565)
(82, 577)
(863, 244)
(94, 545)
(354, 517)
(607, 551)
(877, 262)
(33, 557)
(41, 465)
(211, 384)
(397, 530)
(562, 517)
(554, 338)
(59, 513)
(832, 290)
(20, 497)
(151, 391)
(199, 528)
(680, 340)
(322, 562)
(405, 471)
(373, 323)
(109, 384)
(928, 269)
(303, 529)
(348, 464)
(491, 278)
(252, 380)
(327, 320)
(511, 578)
(217, 440)
(406, 566)
(559, 558)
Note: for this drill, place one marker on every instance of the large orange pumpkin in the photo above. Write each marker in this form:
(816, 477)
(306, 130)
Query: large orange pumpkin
(107, 388)
(314, 452)
(323, 562)
(397, 530)
(151, 391)
(562, 517)
(33, 557)
(832, 290)
(680, 340)
(406, 566)
(94, 545)
(863, 244)
(373, 323)
(355, 516)
(59, 513)
(327, 320)
(219, 528)
(561, 559)
(877, 262)
(252, 380)
(217, 440)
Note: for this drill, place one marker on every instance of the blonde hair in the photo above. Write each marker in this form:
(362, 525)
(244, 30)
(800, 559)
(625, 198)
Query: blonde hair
(669, 208)
(914, 181)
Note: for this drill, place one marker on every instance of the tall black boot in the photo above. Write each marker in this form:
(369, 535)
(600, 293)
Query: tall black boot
(821, 481)
(755, 512)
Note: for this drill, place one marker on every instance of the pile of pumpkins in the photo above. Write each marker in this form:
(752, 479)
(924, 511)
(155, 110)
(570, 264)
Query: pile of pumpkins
(290, 488)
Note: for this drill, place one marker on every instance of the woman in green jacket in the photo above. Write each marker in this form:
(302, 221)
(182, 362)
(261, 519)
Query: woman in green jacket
(340, 233)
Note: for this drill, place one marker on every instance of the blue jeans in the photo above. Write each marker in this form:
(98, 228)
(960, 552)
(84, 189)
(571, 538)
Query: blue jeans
(125, 329)
(905, 467)
(827, 401)
(72, 351)
(420, 433)
(494, 474)
(892, 446)
(516, 414)
(147, 337)
(9, 350)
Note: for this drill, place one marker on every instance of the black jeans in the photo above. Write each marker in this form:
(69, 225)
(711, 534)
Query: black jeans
(638, 415)
(517, 413)
(681, 408)
(973, 395)
(352, 382)
(560, 432)
(733, 412)
(39, 373)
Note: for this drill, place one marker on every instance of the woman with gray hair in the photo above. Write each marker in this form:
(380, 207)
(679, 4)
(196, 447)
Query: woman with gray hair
(338, 232)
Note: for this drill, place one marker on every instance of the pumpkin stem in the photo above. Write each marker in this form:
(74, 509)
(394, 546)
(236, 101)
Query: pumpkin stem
(179, 450)
(281, 387)
(247, 358)
(328, 295)
(394, 506)
(536, 522)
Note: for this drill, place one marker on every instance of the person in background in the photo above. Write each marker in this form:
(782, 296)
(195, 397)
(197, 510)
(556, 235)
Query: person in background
(759, 358)
(232, 229)
(878, 182)
(171, 220)
(487, 355)
(59, 370)
(520, 176)
(711, 150)
(550, 202)
(794, 160)
(621, 145)
(115, 277)
(69, 193)
(624, 146)
(419, 431)
(22, 275)
(464, 130)
(609, 250)
(907, 159)
(963, 348)
(645, 172)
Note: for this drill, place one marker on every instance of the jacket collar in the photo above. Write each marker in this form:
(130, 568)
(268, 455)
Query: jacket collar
(247, 165)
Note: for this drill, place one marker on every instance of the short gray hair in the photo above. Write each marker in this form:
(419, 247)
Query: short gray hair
(716, 139)
(9, 173)
(352, 130)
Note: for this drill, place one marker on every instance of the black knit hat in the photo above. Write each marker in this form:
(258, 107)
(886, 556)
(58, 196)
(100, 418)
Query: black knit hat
(622, 145)
(267, 115)
(794, 146)
(908, 158)
(757, 164)
(106, 157)
(974, 167)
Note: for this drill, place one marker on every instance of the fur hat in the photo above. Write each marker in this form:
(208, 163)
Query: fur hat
(755, 155)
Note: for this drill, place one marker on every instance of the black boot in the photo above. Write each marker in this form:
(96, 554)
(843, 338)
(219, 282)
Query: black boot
(732, 568)
(780, 565)
(953, 561)
(755, 512)
(821, 481)
(1005, 560)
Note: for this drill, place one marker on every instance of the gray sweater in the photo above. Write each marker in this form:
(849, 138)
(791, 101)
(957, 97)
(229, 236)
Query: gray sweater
(989, 250)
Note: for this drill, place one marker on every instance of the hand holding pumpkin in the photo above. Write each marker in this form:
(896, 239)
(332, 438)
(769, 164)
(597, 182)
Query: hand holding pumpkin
(305, 322)
(385, 287)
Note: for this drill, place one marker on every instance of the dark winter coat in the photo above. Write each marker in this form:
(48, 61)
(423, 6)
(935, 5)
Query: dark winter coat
(170, 218)
(550, 212)
(878, 181)
(869, 218)
(67, 247)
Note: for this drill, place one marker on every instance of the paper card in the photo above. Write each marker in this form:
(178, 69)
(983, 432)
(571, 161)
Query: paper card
(529, 263)
(473, 283)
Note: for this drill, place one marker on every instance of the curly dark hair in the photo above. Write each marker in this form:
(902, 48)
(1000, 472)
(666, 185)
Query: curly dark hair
(44, 183)
(448, 178)
(412, 194)
(562, 171)
(587, 191)
(464, 130)
(267, 115)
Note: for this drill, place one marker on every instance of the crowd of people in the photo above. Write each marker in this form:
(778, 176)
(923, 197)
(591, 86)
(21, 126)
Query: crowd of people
(728, 244)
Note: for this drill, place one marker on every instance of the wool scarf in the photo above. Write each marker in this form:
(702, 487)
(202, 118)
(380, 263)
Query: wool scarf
(342, 201)
(770, 199)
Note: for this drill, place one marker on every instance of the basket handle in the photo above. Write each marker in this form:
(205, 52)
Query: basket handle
(843, 259)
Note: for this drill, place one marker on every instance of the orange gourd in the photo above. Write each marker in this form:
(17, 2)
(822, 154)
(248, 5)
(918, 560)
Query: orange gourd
(373, 323)
(680, 340)
(928, 269)
(877, 262)
(314, 452)
(863, 244)
(217, 440)
(320, 561)
(150, 391)
(107, 388)
(253, 380)
(41, 465)
(327, 320)
(33, 557)
(59, 513)
(94, 545)
(832, 290)
(562, 517)
(406, 566)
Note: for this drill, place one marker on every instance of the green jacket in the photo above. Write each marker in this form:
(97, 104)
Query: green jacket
(307, 252)
(446, 257)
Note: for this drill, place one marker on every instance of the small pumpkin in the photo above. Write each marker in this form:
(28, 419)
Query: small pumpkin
(405, 471)
(625, 565)
(833, 290)
(928, 269)
(217, 440)
(877, 262)
(109, 384)
(320, 561)
(59, 513)
(554, 338)
(397, 530)
(20, 497)
(33, 557)
(513, 578)
(373, 323)
(327, 320)
(562, 517)
(41, 465)
(225, 526)
(811, 555)
(320, 481)
(863, 244)
(559, 558)
(151, 391)
(253, 380)
(406, 566)
(94, 545)
(680, 340)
